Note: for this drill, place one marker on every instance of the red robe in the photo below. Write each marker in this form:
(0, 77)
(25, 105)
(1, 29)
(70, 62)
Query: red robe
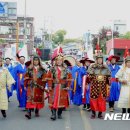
(58, 94)
(98, 78)
(35, 84)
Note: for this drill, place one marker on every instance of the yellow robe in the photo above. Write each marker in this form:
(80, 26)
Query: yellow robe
(5, 80)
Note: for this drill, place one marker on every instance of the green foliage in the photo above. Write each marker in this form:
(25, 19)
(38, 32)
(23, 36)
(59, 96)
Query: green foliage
(103, 38)
(2, 41)
(126, 36)
(58, 36)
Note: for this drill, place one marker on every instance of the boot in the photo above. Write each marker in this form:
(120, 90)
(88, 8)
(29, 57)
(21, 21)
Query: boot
(100, 116)
(84, 107)
(3, 113)
(93, 116)
(53, 117)
(37, 112)
(59, 113)
(28, 114)
(88, 107)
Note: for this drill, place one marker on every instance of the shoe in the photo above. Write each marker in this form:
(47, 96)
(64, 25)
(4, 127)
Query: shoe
(28, 116)
(24, 110)
(3, 113)
(100, 116)
(37, 115)
(89, 109)
(59, 117)
(111, 109)
(93, 116)
(53, 116)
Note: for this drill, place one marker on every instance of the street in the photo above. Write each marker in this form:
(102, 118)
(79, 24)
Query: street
(74, 118)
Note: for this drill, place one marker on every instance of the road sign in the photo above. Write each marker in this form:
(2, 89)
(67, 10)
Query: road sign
(109, 33)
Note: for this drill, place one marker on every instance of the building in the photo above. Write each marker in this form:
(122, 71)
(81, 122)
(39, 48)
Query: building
(119, 46)
(12, 26)
(120, 26)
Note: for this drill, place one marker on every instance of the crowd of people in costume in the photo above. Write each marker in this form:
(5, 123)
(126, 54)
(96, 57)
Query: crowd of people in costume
(65, 82)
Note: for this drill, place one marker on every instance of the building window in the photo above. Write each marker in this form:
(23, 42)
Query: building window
(117, 28)
(12, 11)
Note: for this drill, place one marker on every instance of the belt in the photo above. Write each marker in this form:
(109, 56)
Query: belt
(114, 80)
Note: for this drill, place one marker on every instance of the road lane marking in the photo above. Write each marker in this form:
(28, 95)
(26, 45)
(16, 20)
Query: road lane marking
(67, 120)
(86, 122)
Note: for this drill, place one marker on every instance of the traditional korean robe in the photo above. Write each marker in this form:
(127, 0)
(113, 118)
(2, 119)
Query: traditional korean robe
(124, 98)
(21, 92)
(34, 82)
(115, 85)
(77, 74)
(98, 78)
(58, 81)
(5, 80)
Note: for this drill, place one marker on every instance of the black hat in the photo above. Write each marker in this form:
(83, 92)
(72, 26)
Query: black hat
(7, 58)
(21, 57)
(106, 59)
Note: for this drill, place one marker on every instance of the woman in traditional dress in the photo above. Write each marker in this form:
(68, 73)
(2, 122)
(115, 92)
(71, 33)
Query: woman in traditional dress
(5, 80)
(34, 83)
(123, 76)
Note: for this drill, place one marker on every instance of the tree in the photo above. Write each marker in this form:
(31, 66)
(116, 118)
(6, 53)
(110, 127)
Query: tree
(58, 36)
(103, 38)
(126, 36)
(2, 41)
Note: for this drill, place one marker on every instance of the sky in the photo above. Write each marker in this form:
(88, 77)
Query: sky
(75, 16)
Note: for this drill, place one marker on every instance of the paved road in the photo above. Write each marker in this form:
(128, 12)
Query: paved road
(73, 119)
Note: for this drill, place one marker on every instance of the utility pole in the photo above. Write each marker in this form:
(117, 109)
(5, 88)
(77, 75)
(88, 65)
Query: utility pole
(25, 22)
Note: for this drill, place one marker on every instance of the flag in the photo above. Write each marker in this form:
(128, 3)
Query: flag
(38, 51)
(126, 53)
(97, 47)
(20, 47)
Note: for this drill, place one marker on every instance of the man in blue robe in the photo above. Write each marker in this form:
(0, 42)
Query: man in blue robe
(115, 85)
(10, 68)
(20, 70)
(77, 74)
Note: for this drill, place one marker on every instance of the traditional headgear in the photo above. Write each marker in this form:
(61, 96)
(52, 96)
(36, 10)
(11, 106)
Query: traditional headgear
(7, 58)
(112, 56)
(98, 52)
(58, 53)
(70, 59)
(106, 59)
(20, 56)
(86, 59)
(127, 59)
(126, 55)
